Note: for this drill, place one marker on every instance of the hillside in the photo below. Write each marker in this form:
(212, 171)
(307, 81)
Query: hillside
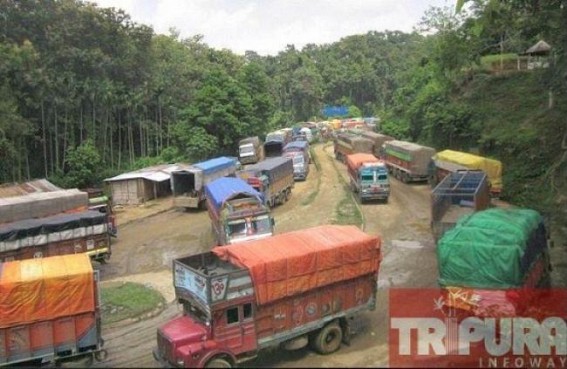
(520, 127)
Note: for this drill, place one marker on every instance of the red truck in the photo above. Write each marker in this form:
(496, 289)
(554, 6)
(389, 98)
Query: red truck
(289, 290)
(49, 311)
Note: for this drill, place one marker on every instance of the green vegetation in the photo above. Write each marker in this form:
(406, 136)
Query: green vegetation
(128, 300)
(309, 199)
(347, 211)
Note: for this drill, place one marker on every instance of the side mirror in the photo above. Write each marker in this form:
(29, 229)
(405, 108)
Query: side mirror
(273, 222)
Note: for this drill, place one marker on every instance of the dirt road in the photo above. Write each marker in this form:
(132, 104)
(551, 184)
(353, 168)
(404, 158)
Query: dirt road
(145, 249)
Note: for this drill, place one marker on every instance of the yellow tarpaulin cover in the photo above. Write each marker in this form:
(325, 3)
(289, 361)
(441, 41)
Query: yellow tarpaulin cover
(45, 288)
(492, 167)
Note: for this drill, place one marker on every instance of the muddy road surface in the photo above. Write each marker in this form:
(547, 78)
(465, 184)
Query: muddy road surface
(145, 248)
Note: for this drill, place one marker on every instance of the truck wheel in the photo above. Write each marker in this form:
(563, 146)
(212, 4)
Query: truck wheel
(218, 363)
(405, 177)
(329, 339)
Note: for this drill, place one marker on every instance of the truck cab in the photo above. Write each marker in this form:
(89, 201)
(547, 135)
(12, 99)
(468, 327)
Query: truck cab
(300, 164)
(217, 323)
(247, 153)
(374, 181)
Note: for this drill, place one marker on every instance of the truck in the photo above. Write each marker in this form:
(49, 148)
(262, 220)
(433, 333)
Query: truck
(187, 185)
(275, 142)
(237, 211)
(250, 150)
(494, 260)
(81, 232)
(458, 194)
(288, 291)
(368, 177)
(408, 161)
(49, 311)
(272, 177)
(100, 202)
(298, 151)
(42, 204)
(379, 140)
(348, 143)
(449, 161)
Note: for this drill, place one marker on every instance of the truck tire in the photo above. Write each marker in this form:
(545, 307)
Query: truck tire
(328, 339)
(218, 362)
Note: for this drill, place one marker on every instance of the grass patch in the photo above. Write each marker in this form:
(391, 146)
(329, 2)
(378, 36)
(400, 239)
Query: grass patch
(128, 300)
(309, 199)
(347, 212)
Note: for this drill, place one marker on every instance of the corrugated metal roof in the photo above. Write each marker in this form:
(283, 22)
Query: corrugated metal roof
(21, 189)
(157, 173)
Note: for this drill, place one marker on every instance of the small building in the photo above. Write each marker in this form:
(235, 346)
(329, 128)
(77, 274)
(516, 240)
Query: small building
(538, 55)
(142, 185)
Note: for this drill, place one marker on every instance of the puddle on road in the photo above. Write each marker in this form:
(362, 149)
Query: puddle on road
(415, 245)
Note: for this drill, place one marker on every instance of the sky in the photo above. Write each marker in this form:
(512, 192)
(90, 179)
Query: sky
(268, 26)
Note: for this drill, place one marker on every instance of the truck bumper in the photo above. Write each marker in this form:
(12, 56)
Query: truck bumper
(98, 252)
(299, 176)
(375, 196)
(162, 362)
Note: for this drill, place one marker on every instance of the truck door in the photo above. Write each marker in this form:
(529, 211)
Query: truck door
(237, 329)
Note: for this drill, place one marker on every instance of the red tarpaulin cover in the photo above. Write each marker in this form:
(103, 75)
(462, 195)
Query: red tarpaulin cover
(291, 263)
(46, 288)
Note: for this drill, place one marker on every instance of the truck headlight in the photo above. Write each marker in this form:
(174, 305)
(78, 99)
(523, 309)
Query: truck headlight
(180, 363)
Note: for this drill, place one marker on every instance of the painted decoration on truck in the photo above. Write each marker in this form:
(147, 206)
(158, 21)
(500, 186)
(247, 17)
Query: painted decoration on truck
(218, 288)
(192, 282)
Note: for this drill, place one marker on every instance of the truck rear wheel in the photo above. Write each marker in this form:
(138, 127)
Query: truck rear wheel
(218, 363)
(328, 339)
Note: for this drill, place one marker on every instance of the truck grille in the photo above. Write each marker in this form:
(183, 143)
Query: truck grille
(165, 348)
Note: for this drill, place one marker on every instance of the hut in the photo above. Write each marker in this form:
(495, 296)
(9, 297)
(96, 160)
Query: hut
(142, 185)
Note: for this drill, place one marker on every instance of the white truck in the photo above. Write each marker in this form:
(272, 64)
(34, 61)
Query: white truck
(187, 185)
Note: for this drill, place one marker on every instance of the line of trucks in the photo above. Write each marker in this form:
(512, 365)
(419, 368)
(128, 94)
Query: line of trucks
(256, 290)
(411, 162)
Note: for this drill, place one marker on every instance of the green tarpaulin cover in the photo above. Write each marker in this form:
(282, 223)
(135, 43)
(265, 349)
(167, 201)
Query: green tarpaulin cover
(485, 248)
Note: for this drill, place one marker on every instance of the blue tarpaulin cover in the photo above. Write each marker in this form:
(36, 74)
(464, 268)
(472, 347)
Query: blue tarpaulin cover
(222, 189)
(216, 164)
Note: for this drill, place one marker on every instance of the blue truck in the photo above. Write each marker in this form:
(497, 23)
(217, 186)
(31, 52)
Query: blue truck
(237, 211)
(272, 177)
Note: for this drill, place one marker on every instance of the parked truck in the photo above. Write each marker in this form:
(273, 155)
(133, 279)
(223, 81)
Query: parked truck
(458, 194)
(250, 150)
(237, 211)
(81, 232)
(449, 161)
(289, 290)
(272, 177)
(298, 151)
(100, 202)
(275, 142)
(368, 177)
(187, 185)
(349, 143)
(49, 311)
(378, 140)
(494, 261)
(407, 161)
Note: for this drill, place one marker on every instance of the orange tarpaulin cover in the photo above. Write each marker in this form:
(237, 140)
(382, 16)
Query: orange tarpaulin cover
(295, 262)
(46, 288)
(356, 160)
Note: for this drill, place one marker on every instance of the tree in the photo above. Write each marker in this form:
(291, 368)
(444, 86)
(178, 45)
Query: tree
(83, 165)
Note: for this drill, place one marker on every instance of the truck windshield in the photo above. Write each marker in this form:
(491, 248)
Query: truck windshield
(194, 312)
(298, 159)
(237, 228)
(261, 224)
(246, 149)
(242, 228)
(373, 176)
